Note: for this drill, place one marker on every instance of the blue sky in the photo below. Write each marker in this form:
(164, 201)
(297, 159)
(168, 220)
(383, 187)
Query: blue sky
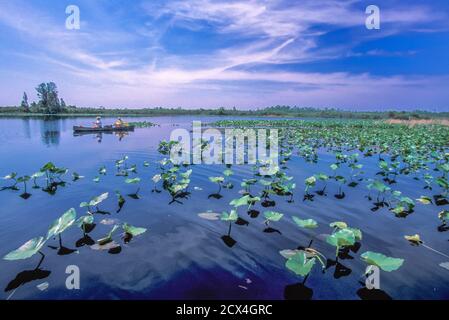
(247, 54)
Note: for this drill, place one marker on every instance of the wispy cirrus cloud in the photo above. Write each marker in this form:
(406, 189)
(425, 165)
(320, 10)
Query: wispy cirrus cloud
(253, 52)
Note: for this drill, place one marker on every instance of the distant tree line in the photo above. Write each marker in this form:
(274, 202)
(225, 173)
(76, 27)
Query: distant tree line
(49, 103)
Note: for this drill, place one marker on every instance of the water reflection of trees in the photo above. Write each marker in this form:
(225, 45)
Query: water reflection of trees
(26, 127)
(50, 129)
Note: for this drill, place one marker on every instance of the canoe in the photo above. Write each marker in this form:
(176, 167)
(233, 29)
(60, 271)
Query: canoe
(102, 129)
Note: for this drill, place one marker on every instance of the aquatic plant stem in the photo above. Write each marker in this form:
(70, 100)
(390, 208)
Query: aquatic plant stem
(41, 260)
(434, 250)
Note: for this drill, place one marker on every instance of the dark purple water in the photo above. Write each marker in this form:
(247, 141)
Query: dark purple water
(182, 256)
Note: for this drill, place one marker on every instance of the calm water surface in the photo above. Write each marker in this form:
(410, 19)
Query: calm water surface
(182, 256)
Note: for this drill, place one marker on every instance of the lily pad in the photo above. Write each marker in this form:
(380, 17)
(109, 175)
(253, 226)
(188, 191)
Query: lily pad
(415, 239)
(288, 253)
(308, 223)
(95, 201)
(108, 238)
(300, 264)
(357, 233)
(132, 181)
(243, 201)
(310, 181)
(425, 200)
(228, 172)
(134, 231)
(27, 250)
(10, 176)
(385, 263)
(156, 178)
(87, 219)
(338, 225)
(273, 215)
(62, 223)
(443, 215)
(341, 238)
(216, 179)
(231, 216)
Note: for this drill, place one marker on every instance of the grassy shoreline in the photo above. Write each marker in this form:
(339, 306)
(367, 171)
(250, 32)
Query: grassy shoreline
(315, 113)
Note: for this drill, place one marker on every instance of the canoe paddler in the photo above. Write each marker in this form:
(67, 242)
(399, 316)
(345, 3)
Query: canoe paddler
(97, 123)
(120, 123)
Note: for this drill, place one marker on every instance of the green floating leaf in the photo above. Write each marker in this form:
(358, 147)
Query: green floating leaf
(49, 166)
(339, 225)
(37, 175)
(10, 176)
(156, 178)
(415, 239)
(442, 182)
(322, 177)
(308, 223)
(177, 188)
(310, 181)
(108, 238)
(62, 223)
(379, 186)
(248, 182)
(27, 250)
(121, 200)
(186, 174)
(357, 233)
(132, 181)
(228, 172)
(300, 264)
(102, 170)
(24, 179)
(85, 220)
(265, 183)
(76, 176)
(243, 201)
(95, 201)
(341, 238)
(273, 215)
(231, 216)
(288, 253)
(443, 215)
(334, 166)
(385, 263)
(134, 231)
(425, 200)
(216, 179)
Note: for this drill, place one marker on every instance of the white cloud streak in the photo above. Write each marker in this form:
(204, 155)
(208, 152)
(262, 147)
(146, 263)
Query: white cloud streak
(277, 34)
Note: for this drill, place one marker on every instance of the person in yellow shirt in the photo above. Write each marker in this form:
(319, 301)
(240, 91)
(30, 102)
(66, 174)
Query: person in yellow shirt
(119, 123)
